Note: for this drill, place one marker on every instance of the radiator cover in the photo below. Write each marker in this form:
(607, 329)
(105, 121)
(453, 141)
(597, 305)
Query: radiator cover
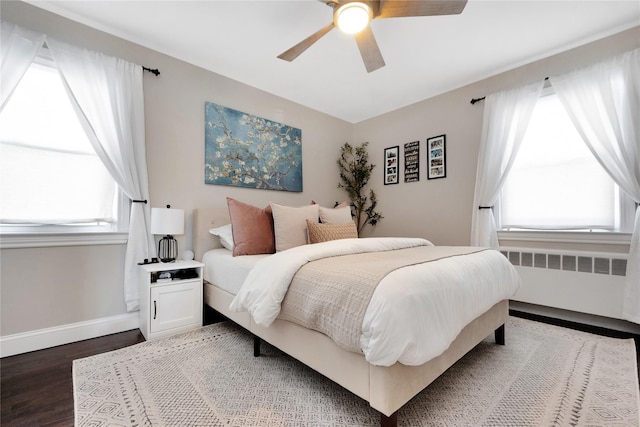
(586, 282)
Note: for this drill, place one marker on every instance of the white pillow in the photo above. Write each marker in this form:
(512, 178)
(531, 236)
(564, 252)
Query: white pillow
(225, 235)
(290, 224)
(337, 215)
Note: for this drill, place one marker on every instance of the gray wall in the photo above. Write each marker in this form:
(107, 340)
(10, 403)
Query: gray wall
(440, 210)
(47, 287)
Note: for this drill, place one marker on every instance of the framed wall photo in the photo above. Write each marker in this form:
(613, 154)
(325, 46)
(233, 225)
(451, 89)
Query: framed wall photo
(243, 150)
(436, 157)
(391, 165)
(412, 161)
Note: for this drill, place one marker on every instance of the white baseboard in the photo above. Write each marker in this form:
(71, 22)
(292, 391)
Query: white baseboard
(50, 337)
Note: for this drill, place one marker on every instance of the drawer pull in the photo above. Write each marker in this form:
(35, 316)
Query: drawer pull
(155, 309)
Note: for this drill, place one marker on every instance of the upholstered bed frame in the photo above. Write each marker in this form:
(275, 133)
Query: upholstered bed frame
(386, 389)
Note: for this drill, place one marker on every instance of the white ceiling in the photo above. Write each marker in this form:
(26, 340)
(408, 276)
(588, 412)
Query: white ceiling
(425, 56)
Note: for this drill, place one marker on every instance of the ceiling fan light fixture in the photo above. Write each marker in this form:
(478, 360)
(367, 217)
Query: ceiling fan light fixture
(353, 17)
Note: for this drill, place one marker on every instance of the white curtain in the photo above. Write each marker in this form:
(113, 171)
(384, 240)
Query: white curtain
(18, 49)
(107, 94)
(506, 117)
(603, 101)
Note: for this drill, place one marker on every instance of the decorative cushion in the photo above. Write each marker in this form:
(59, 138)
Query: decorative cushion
(325, 232)
(341, 214)
(289, 224)
(252, 229)
(225, 235)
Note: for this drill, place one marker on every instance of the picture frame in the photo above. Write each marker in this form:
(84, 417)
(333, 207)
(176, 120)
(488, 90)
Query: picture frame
(412, 161)
(436, 157)
(391, 166)
(245, 150)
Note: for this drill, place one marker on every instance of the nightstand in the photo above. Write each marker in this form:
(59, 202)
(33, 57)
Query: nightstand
(170, 298)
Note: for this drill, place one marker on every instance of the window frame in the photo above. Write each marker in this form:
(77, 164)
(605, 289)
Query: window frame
(578, 237)
(51, 235)
(626, 216)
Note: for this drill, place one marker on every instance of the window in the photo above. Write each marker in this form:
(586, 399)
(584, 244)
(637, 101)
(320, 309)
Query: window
(556, 183)
(50, 176)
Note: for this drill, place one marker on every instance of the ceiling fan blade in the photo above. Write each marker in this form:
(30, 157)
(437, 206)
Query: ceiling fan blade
(405, 8)
(369, 50)
(295, 51)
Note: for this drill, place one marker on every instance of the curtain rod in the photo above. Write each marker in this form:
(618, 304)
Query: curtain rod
(153, 71)
(474, 100)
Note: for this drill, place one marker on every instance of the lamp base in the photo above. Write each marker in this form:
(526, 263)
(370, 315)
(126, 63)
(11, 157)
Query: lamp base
(167, 249)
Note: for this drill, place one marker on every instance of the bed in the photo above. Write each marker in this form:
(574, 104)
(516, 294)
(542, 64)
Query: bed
(385, 388)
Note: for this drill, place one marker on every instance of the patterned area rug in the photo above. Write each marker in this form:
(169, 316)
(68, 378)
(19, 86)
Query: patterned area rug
(545, 375)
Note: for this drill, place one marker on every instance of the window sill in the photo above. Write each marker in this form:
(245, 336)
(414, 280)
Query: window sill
(583, 237)
(46, 240)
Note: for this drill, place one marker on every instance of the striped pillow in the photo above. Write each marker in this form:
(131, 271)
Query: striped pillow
(325, 232)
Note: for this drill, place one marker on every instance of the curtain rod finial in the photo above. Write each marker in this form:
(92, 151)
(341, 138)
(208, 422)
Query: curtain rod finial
(153, 71)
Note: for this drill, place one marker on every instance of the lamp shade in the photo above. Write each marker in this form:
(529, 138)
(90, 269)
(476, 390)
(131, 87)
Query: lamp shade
(167, 221)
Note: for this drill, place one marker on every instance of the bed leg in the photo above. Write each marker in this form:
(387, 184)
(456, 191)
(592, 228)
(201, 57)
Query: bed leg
(256, 346)
(500, 335)
(390, 421)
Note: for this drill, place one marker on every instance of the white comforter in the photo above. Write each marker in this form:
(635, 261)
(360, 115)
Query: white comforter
(445, 296)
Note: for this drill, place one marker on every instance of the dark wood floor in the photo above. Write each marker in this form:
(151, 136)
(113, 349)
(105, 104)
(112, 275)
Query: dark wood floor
(37, 387)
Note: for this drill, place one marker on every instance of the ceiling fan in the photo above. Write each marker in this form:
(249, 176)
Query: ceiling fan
(354, 16)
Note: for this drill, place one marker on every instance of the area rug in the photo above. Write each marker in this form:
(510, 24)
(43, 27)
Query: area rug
(544, 376)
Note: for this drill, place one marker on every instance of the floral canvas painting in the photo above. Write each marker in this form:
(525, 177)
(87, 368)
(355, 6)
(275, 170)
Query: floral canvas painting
(249, 151)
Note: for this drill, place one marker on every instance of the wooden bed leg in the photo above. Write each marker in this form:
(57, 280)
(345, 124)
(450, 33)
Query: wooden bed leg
(256, 346)
(390, 421)
(500, 335)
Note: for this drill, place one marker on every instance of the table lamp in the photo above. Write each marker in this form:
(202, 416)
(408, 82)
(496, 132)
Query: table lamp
(167, 221)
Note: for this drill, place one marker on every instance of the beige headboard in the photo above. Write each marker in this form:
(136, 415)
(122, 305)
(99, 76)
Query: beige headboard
(205, 219)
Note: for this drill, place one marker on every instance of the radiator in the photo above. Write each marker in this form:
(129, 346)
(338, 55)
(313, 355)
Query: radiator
(585, 282)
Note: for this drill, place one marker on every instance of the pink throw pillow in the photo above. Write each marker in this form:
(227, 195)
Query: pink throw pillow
(252, 229)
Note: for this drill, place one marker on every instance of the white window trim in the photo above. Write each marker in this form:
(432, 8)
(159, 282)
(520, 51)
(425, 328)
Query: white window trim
(47, 240)
(42, 236)
(580, 237)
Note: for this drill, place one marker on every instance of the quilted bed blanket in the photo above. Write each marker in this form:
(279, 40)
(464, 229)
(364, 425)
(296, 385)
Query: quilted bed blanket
(393, 299)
